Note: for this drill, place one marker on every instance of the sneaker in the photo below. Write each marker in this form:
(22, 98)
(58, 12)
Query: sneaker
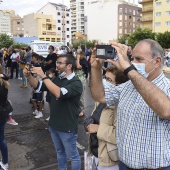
(39, 115)
(4, 166)
(47, 119)
(12, 122)
(25, 86)
(35, 112)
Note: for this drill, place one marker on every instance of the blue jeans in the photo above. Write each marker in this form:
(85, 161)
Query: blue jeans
(3, 144)
(122, 166)
(65, 146)
(24, 79)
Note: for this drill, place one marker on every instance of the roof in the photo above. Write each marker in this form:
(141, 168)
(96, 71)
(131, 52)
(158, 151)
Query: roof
(58, 5)
(24, 40)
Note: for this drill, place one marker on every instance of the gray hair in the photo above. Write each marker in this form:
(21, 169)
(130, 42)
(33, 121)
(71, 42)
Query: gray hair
(156, 49)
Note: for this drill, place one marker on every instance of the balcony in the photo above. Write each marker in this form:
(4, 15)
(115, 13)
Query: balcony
(146, 10)
(144, 1)
(147, 19)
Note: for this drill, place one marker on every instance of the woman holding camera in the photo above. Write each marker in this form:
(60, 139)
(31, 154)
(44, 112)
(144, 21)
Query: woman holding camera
(103, 129)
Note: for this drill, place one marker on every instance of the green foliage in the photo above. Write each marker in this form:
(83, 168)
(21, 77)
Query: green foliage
(19, 45)
(164, 39)
(139, 35)
(89, 44)
(123, 39)
(6, 41)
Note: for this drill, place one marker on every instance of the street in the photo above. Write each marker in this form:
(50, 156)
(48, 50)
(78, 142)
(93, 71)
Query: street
(29, 144)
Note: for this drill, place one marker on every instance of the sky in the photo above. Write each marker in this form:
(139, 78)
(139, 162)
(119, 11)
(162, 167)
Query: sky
(24, 7)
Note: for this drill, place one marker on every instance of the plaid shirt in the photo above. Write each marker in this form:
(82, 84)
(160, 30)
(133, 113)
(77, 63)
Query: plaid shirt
(143, 138)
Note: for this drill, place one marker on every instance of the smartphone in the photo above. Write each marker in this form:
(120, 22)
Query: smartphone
(29, 66)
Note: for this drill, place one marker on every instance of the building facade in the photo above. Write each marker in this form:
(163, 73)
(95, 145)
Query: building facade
(43, 26)
(109, 20)
(61, 14)
(147, 13)
(5, 23)
(161, 16)
(17, 24)
(128, 19)
(77, 8)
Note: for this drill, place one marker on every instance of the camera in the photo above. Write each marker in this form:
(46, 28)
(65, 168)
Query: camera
(105, 52)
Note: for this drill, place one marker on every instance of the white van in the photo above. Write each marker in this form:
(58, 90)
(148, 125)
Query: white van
(41, 47)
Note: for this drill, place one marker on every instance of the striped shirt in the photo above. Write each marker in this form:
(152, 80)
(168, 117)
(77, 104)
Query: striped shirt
(143, 138)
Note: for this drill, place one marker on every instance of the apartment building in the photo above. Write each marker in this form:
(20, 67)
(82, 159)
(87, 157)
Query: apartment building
(17, 24)
(61, 14)
(77, 17)
(43, 26)
(109, 20)
(161, 16)
(128, 18)
(147, 13)
(5, 23)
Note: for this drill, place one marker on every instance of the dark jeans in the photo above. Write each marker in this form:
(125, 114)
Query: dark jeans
(14, 65)
(122, 166)
(3, 144)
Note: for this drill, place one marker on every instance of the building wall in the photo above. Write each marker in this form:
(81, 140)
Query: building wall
(5, 24)
(77, 9)
(147, 14)
(161, 16)
(101, 20)
(30, 25)
(128, 19)
(62, 18)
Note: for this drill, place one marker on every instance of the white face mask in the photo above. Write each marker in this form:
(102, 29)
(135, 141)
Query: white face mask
(50, 76)
(63, 74)
(141, 68)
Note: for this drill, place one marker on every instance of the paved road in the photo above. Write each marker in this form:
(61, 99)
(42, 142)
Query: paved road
(29, 143)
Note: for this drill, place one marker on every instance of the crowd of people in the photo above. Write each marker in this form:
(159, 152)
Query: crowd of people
(129, 127)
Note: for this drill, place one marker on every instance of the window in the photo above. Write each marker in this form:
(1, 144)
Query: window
(167, 23)
(18, 28)
(67, 22)
(157, 24)
(120, 10)
(43, 33)
(125, 24)
(47, 20)
(134, 12)
(125, 31)
(43, 25)
(125, 10)
(59, 21)
(120, 24)
(54, 26)
(134, 19)
(125, 17)
(67, 15)
(120, 31)
(120, 17)
(58, 13)
(167, 12)
(18, 22)
(59, 28)
(68, 36)
(168, 2)
(68, 29)
(130, 16)
(158, 14)
(130, 10)
(158, 3)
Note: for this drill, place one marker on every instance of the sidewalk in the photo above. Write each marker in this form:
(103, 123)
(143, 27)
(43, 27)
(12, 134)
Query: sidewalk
(29, 144)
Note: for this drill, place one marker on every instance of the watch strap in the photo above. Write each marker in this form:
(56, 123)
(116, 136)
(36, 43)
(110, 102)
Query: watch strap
(45, 78)
(126, 71)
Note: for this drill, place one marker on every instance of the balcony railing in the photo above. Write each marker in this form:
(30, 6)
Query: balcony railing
(144, 1)
(146, 19)
(146, 10)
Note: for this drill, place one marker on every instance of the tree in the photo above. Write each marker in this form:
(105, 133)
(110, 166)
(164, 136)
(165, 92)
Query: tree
(139, 35)
(123, 39)
(6, 41)
(164, 39)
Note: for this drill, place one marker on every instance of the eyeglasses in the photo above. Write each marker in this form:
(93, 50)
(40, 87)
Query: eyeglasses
(108, 79)
(59, 63)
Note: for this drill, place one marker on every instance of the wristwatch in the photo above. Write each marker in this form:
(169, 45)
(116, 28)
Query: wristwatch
(126, 71)
(45, 78)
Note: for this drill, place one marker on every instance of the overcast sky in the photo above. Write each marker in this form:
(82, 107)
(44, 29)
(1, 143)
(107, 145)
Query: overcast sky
(24, 7)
